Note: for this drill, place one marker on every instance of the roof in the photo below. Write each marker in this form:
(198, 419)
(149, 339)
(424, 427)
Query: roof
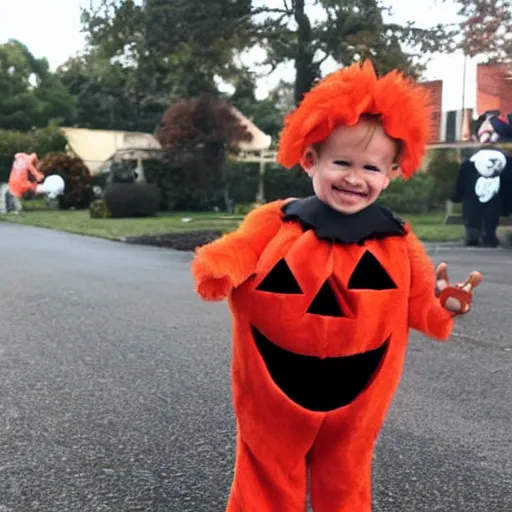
(95, 147)
(260, 140)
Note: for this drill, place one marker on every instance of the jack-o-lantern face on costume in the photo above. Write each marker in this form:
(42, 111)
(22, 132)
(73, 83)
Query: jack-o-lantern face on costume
(314, 325)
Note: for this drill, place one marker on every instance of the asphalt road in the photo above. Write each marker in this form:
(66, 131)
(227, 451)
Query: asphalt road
(115, 392)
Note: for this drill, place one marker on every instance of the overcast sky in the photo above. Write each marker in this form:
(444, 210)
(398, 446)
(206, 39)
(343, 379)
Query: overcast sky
(51, 29)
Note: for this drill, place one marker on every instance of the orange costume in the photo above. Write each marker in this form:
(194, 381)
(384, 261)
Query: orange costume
(322, 303)
(23, 166)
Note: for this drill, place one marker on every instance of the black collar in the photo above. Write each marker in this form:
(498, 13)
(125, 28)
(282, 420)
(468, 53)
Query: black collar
(376, 221)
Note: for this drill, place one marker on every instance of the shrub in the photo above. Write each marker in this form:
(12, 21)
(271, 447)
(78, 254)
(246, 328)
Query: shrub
(76, 175)
(411, 196)
(131, 199)
(243, 208)
(179, 190)
(280, 183)
(196, 135)
(444, 170)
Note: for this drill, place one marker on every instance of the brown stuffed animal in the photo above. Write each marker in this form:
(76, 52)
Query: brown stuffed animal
(458, 298)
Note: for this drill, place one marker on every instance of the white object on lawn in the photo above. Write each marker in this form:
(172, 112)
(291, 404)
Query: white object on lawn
(53, 186)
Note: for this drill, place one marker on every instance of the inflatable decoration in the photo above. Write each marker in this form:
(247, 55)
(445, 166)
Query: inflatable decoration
(52, 187)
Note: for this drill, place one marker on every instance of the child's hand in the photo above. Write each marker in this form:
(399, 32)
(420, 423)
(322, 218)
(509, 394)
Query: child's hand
(458, 298)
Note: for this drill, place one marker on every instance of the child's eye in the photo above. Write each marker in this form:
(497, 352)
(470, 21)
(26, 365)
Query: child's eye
(342, 163)
(372, 168)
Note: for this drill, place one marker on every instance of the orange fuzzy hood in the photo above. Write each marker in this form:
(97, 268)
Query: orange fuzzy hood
(343, 96)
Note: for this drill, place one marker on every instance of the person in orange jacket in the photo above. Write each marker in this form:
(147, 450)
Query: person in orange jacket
(23, 168)
(323, 291)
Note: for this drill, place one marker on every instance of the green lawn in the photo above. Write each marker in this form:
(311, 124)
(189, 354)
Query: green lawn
(428, 227)
(80, 222)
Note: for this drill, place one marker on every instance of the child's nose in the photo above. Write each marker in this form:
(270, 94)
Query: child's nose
(352, 176)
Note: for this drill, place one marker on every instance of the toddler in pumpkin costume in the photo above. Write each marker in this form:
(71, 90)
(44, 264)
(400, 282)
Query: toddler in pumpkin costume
(323, 292)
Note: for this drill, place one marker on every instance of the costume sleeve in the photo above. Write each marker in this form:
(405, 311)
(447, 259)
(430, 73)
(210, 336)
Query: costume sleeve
(32, 169)
(38, 176)
(506, 189)
(425, 311)
(227, 262)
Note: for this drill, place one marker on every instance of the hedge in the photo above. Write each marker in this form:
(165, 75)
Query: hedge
(181, 189)
(131, 199)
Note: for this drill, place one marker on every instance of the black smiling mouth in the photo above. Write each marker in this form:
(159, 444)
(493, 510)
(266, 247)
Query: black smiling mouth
(318, 384)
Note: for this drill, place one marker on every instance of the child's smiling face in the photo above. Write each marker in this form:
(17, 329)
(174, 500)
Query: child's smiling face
(352, 166)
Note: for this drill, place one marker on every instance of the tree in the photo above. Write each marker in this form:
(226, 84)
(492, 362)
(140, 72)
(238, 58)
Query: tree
(265, 114)
(350, 30)
(107, 95)
(201, 37)
(486, 28)
(181, 48)
(196, 135)
(31, 94)
(176, 49)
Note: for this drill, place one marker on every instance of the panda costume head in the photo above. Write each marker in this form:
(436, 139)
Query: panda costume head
(492, 128)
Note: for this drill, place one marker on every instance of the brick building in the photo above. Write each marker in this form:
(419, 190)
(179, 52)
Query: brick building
(436, 93)
(494, 88)
(493, 93)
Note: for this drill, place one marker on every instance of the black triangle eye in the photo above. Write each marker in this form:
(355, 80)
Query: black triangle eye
(280, 280)
(325, 303)
(370, 275)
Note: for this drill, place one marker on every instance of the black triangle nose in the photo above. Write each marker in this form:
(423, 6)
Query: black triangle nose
(370, 275)
(325, 303)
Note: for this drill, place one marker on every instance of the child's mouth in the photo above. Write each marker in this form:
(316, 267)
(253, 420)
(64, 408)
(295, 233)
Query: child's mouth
(348, 193)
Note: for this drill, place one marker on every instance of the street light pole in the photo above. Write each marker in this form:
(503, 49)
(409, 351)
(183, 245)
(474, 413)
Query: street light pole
(464, 83)
(463, 113)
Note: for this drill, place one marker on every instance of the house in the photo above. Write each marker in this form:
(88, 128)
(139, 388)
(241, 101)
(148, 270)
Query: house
(482, 88)
(260, 141)
(97, 148)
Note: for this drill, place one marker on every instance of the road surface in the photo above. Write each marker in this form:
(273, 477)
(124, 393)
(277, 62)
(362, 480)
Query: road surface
(115, 392)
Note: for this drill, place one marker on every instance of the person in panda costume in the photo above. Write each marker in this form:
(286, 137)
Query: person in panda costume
(483, 187)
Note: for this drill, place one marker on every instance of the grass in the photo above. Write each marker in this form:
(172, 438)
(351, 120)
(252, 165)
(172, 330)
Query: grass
(428, 227)
(115, 229)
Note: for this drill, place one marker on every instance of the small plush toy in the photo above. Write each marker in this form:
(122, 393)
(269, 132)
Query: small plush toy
(456, 298)
(478, 186)
(323, 291)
